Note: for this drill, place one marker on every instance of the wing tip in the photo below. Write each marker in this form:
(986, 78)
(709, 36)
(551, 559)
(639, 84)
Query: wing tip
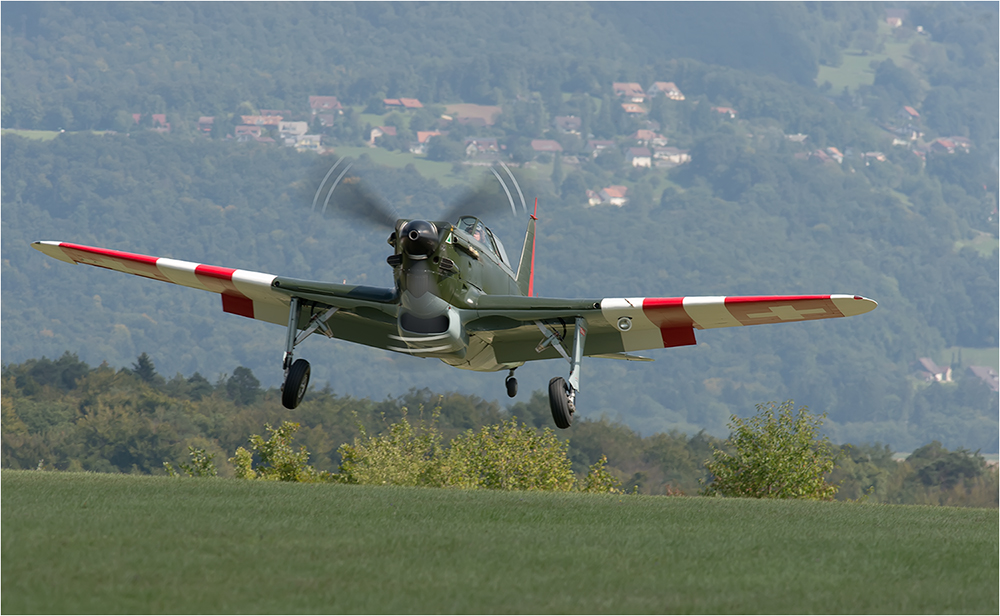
(52, 249)
(853, 305)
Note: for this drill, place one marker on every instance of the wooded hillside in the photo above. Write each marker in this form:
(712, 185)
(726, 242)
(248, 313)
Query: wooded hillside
(753, 212)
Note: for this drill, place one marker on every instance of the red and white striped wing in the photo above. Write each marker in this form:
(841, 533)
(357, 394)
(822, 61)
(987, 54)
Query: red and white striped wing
(655, 322)
(247, 294)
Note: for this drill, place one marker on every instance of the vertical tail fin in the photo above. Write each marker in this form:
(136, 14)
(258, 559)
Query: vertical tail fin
(526, 268)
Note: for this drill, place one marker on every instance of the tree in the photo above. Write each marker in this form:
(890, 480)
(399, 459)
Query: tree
(144, 368)
(243, 387)
(778, 455)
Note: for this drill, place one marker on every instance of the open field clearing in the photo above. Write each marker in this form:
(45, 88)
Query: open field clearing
(88, 543)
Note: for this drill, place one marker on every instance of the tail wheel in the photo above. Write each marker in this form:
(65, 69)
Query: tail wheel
(562, 411)
(511, 384)
(296, 383)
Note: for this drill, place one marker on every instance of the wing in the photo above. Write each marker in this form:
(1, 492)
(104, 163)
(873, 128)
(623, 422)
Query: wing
(250, 294)
(620, 325)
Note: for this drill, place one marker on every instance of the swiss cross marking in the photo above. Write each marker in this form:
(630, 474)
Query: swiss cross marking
(786, 313)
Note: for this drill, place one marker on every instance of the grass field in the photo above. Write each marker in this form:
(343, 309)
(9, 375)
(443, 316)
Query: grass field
(89, 543)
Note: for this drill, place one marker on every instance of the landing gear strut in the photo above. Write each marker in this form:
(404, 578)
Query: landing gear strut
(562, 393)
(297, 371)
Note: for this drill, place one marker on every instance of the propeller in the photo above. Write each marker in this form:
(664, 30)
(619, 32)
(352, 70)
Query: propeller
(347, 195)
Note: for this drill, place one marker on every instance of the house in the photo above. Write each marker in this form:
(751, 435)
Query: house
(325, 119)
(909, 113)
(160, 123)
(943, 146)
(309, 142)
(630, 91)
(593, 198)
(986, 375)
(896, 17)
(614, 195)
(639, 157)
(821, 157)
(633, 109)
(797, 137)
(670, 156)
(246, 132)
(402, 103)
(567, 124)
(261, 120)
(647, 137)
(666, 88)
(594, 146)
(325, 104)
(729, 111)
(545, 146)
(381, 131)
(479, 146)
(292, 129)
(961, 143)
(423, 137)
(930, 372)
(870, 156)
(835, 154)
(205, 124)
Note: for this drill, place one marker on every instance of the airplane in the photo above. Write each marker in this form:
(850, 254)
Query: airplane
(459, 297)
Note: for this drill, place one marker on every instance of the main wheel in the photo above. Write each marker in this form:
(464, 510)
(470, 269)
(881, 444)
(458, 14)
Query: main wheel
(294, 388)
(559, 402)
(511, 384)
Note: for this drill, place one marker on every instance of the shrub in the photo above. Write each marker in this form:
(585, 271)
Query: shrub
(278, 461)
(778, 455)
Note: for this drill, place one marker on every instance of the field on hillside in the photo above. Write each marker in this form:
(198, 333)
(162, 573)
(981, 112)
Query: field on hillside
(88, 543)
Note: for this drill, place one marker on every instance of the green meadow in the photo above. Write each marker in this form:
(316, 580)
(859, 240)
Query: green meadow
(94, 543)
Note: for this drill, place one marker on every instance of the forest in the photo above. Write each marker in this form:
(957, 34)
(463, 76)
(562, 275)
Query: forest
(66, 415)
(752, 213)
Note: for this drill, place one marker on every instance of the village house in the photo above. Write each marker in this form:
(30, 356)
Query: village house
(896, 17)
(729, 111)
(594, 146)
(423, 138)
(631, 92)
(286, 129)
(261, 120)
(381, 131)
(311, 143)
(325, 104)
(835, 154)
(545, 146)
(986, 375)
(909, 114)
(639, 157)
(567, 124)
(633, 109)
(248, 132)
(670, 157)
(481, 146)
(648, 137)
(205, 124)
(614, 195)
(402, 103)
(930, 371)
(666, 88)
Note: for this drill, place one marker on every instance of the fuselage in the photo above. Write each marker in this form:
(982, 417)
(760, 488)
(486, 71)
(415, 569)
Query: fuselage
(440, 269)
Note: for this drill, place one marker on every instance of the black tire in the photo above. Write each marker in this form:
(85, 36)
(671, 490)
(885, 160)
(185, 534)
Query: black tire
(511, 384)
(559, 402)
(294, 388)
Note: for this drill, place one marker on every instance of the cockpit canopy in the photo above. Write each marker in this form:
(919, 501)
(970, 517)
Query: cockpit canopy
(481, 234)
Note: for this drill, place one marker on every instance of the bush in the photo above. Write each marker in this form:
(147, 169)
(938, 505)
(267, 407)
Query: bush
(278, 461)
(778, 455)
(507, 456)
